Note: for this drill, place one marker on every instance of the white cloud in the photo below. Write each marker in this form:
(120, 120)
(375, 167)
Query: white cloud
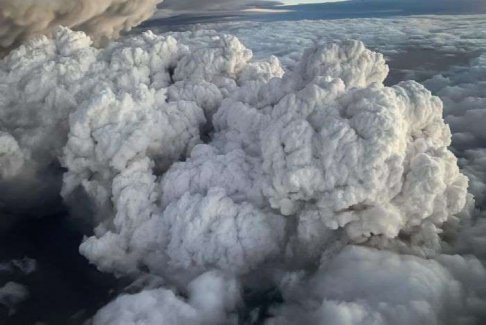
(367, 286)
(417, 47)
(210, 169)
(212, 296)
(288, 39)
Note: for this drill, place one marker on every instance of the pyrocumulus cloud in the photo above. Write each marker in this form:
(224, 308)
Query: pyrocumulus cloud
(218, 174)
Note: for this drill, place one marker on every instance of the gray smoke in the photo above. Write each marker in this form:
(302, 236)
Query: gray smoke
(101, 19)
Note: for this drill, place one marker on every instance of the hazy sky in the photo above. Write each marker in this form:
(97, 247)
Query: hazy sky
(295, 2)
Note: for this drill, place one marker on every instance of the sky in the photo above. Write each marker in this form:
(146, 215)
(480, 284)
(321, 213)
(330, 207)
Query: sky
(303, 9)
(296, 2)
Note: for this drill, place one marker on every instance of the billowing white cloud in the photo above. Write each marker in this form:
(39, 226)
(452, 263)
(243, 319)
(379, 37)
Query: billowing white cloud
(213, 297)
(367, 286)
(424, 47)
(356, 155)
(150, 307)
(209, 169)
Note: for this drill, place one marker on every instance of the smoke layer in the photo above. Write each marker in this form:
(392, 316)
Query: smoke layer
(101, 19)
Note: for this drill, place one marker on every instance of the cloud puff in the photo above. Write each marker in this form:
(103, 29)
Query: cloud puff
(159, 306)
(212, 297)
(367, 286)
(11, 157)
(12, 294)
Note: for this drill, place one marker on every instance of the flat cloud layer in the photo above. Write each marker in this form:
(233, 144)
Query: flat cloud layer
(288, 39)
(198, 6)
(464, 94)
